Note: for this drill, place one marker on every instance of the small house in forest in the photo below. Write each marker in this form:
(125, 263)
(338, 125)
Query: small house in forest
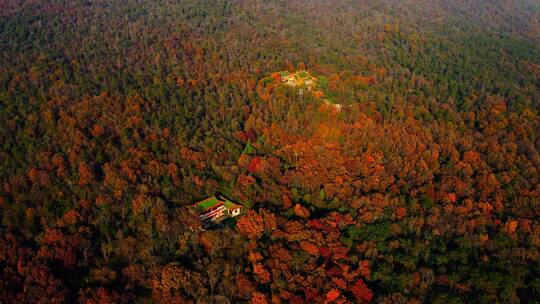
(216, 208)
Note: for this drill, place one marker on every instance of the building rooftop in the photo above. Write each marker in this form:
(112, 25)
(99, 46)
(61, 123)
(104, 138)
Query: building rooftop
(230, 205)
(208, 203)
(214, 201)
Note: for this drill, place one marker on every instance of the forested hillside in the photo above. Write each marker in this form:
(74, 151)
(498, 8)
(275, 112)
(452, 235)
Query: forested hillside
(423, 186)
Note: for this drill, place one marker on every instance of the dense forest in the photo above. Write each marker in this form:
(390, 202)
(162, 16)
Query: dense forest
(423, 187)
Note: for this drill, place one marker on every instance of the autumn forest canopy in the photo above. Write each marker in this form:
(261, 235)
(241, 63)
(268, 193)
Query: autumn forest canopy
(401, 165)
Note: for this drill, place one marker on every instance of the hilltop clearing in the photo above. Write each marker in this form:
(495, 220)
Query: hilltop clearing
(303, 81)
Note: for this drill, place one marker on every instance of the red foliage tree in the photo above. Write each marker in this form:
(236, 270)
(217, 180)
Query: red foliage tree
(361, 292)
(251, 225)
